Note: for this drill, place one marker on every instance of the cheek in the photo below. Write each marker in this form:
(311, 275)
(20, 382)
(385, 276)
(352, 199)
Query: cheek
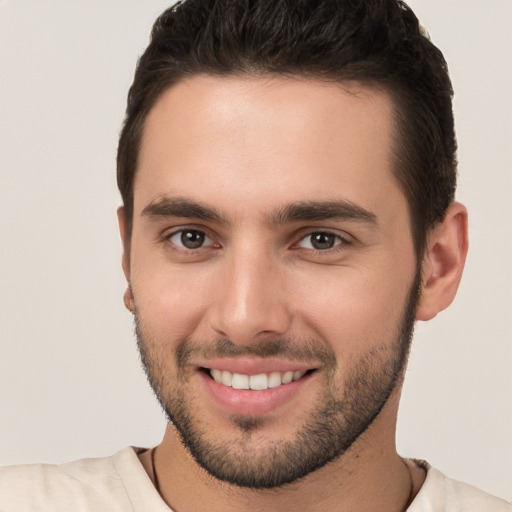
(171, 301)
(353, 309)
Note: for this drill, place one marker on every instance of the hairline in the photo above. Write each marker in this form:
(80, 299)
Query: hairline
(386, 86)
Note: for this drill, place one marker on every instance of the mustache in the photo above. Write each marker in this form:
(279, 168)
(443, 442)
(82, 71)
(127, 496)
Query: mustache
(293, 350)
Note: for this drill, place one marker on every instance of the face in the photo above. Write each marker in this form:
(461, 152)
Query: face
(272, 269)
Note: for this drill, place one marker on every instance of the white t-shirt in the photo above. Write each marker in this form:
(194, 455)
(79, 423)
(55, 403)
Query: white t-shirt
(120, 483)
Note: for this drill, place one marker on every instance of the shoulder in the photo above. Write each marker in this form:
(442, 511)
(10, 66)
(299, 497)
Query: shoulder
(86, 484)
(442, 494)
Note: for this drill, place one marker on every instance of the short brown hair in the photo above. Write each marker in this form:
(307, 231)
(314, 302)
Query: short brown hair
(377, 42)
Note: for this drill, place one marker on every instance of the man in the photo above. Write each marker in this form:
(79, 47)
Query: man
(288, 172)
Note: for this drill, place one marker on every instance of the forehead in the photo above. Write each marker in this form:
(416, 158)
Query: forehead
(252, 142)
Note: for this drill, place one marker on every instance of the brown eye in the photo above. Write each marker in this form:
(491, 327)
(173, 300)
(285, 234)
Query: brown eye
(320, 241)
(190, 239)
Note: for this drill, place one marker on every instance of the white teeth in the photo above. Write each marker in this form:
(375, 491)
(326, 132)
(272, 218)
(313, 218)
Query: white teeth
(258, 381)
(216, 374)
(226, 378)
(240, 381)
(274, 380)
(297, 375)
(255, 382)
(287, 377)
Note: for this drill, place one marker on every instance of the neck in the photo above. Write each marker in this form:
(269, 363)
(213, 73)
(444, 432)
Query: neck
(370, 476)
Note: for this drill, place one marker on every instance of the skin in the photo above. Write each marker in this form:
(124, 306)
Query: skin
(248, 147)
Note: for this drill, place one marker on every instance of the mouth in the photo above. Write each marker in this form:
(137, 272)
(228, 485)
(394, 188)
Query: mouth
(258, 382)
(252, 390)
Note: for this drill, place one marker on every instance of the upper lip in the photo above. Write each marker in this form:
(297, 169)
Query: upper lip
(255, 366)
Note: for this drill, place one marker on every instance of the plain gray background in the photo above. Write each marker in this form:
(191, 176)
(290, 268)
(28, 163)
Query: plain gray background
(70, 380)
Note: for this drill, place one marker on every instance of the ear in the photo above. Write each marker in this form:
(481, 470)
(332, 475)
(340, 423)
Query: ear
(125, 260)
(443, 262)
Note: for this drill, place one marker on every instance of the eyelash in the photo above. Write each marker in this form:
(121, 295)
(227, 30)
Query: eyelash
(167, 237)
(343, 241)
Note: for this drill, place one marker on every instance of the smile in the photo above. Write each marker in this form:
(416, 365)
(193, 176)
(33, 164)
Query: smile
(257, 382)
(253, 387)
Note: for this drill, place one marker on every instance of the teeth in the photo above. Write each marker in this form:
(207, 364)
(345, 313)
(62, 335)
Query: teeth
(255, 382)
(298, 374)
(226, 378)
(258, 381)
(217, 375)
(287, 377)
(239, 381)
(274, 380)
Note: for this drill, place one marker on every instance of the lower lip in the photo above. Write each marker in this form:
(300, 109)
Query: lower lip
(246, 402)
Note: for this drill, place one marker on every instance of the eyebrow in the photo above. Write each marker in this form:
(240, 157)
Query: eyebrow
(181, 207)
(321, 210)
(166, 206)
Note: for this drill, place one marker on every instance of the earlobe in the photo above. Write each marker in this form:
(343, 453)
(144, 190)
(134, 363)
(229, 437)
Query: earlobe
(443, 262)
(129, 301)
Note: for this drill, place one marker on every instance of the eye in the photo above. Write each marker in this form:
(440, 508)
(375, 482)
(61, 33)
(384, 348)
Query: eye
(321, 241)
(190, 239)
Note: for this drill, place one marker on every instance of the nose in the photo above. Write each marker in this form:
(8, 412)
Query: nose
(251, 299)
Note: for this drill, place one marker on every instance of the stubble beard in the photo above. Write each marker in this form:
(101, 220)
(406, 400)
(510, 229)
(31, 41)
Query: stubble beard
(341, 417)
